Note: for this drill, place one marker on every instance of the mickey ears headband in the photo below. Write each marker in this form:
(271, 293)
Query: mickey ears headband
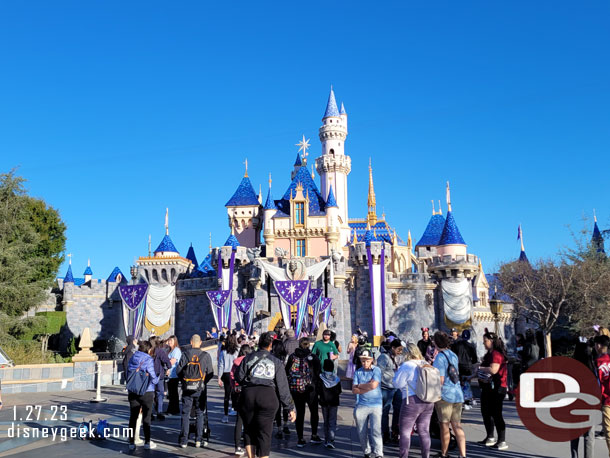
(425, 330)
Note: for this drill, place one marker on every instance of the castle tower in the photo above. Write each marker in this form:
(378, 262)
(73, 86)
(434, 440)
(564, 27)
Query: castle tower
(332, 221)
(334, 166)
(597, 239)
(522, 255)
(88, 274)
(244, 212)
(451, 242)
(270, 210)
(426, 246)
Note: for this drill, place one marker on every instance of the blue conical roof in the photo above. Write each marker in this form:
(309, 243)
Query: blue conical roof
(331, 202)
(69, 278)
(342, 109)
(190, 255)
(232, 241)
(451, 234)
(597, 239)
(204, 269)
(523, 257)
(166, 245)
(433, 232)
(114, 275)
(298, 162)
(270, 203)
(244, 195)
(331, 106)
(88, 271)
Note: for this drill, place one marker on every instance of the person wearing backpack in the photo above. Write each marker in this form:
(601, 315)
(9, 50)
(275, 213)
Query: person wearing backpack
(388, 361)
(329, 390)
(225, 363)
(467, 358)
(302, 370)
(449, 408)
(263, 380)
(194, 371)
(244, 351)
(493, 374)
(415, 376)
(142, 360)
(369, 402)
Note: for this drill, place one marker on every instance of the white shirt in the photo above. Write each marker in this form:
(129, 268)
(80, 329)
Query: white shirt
(406, 377)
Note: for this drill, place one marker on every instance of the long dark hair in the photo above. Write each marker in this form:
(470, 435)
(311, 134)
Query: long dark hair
(278, 349)
(497, 343)
(245, 350)
(231, 346)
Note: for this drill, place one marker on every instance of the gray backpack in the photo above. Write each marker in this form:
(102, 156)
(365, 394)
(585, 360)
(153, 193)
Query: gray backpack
(428, 385)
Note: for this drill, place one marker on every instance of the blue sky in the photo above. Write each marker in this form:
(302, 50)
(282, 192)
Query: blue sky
(116, 110)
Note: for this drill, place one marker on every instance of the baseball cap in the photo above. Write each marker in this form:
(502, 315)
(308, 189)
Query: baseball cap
(366, 354)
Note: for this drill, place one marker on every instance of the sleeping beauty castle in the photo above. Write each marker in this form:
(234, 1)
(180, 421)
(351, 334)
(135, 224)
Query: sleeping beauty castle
(299, 260)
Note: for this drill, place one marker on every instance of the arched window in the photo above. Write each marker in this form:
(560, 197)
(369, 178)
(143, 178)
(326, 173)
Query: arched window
(147, 277)
(173, 275)
(164, 274)
(155, 275)
(332, 151)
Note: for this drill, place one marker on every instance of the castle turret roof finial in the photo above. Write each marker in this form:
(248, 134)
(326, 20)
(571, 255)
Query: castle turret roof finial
(433, 212)
(331, 105)
(440, 209)
(166, 221)
(270, 203)
(448, 198)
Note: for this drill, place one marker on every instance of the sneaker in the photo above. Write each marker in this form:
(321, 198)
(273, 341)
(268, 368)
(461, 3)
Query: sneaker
(161, 417)
(132, 446)
(500, 445)
(286, 430)
(225, 419)
(239, 451)
(487, 442)
(279, 435)
(301, 443)
(183, 445)
(150, 446)
(467, 407)
(232, 413)
(204, 443)
(316, 439)
(367, 455)
(197, 444)
(138, 441)
(330, 444)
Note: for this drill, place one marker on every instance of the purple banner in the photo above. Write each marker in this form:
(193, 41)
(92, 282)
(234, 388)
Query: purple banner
(246, 309)
(133, 295)
(314, 296)
(291, 291)
(218, 300)
(314, 300)
(325, 308)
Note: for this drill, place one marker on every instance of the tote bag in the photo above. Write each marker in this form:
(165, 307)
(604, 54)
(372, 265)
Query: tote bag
(137, 382)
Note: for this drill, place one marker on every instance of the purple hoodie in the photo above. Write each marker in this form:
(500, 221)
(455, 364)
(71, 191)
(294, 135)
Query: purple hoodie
(147, 364)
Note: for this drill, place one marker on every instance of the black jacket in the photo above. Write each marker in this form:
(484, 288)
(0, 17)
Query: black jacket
(162, 362)
(328, 396)
(205, 360)
(261, 368)
(467, 356)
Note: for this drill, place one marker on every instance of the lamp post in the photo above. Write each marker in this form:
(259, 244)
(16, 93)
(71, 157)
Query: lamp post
(333, 313)
(496, 306)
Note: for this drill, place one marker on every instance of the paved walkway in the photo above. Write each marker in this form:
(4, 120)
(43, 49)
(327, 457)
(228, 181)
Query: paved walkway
(522, 443)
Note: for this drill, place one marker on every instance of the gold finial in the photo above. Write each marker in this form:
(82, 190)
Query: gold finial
(372, 202)
(313, 176)
(149, 245)
(210, 242)
(448, 198)
(440, 210)
(433, 212)
(409, 240)
(355, 237)
(594, 216)
(70, 258)
(480, 266)
(166, 221)
(383, 213)
(269, 181)
(246, 172)
(521, 238)
(88, 262)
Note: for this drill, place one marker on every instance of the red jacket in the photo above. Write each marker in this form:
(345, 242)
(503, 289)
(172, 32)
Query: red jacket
(603, 373)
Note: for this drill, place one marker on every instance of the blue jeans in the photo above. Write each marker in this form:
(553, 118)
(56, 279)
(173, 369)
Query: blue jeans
(159, 394)
(388, 397)
(368, 425)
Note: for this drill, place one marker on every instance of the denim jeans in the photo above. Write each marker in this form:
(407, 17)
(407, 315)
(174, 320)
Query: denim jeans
(329, 413)
(368, 425)
(388, 397)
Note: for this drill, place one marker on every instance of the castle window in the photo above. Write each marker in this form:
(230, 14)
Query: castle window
(299, 217)
(155, 275)
(332, 151)
(164, 274)
(173, 275)
(301, 248)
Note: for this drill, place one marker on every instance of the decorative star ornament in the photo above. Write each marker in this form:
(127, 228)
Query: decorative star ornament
(303, 146)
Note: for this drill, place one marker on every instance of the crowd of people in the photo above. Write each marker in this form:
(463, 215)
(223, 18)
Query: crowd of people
(400, 387)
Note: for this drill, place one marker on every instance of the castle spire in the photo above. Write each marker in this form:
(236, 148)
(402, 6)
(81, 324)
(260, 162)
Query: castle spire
(246, 171)
(448, 198)
(372, 203)
(440, 209)
(166, 221)
(331, 105)
(433, 211)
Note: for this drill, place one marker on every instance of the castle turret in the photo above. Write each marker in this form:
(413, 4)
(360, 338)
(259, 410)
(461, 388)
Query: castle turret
(597, 239)
(270, 210)
(451, 242)
(244, 212)
(332, 220)
(88, 273)
(334, 166)
(431, 238)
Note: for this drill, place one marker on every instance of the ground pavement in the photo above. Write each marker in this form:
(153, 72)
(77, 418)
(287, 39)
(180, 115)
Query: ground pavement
(522, 444)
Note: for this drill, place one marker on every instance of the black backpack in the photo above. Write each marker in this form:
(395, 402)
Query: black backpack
(464, 357)
(452, 371)
(192, 374)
